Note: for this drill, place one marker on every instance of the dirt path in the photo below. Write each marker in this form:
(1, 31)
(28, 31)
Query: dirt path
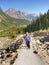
(27, 57)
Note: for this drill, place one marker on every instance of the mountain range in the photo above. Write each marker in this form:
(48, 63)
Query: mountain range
(20, 15)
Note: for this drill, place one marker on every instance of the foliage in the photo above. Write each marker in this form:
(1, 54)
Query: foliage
(42, 22)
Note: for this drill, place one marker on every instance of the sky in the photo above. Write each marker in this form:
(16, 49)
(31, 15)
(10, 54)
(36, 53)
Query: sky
(30, 6)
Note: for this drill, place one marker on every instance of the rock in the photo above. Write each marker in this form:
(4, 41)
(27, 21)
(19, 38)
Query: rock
(42, 41)
(0, 60)
(35, 52)
(13, 58)
(12, 47)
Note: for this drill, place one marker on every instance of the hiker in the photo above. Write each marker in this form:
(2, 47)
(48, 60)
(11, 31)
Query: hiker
(27, 39)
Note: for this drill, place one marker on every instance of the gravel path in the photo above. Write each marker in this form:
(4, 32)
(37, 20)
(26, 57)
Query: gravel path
(27, 57)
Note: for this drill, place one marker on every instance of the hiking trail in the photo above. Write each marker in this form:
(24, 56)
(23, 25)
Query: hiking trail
(27, 57)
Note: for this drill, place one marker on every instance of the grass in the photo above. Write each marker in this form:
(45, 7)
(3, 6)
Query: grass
(5, 41)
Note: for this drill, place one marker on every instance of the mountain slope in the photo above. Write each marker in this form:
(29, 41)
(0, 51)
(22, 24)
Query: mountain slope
(20, 15)
(7, 22)
(16, 14)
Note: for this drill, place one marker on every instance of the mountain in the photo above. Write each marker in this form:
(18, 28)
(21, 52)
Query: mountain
(31, 17)
(7, 22)
(10, 25)
(20, 15)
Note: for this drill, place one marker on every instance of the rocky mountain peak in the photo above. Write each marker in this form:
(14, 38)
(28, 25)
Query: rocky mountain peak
(19, 14)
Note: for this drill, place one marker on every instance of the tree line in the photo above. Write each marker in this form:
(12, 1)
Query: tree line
(42, 22)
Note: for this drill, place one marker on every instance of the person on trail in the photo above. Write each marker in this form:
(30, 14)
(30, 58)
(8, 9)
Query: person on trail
(27, 39)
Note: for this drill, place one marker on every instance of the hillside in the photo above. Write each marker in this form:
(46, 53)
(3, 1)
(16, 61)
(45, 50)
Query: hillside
(8, 22)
